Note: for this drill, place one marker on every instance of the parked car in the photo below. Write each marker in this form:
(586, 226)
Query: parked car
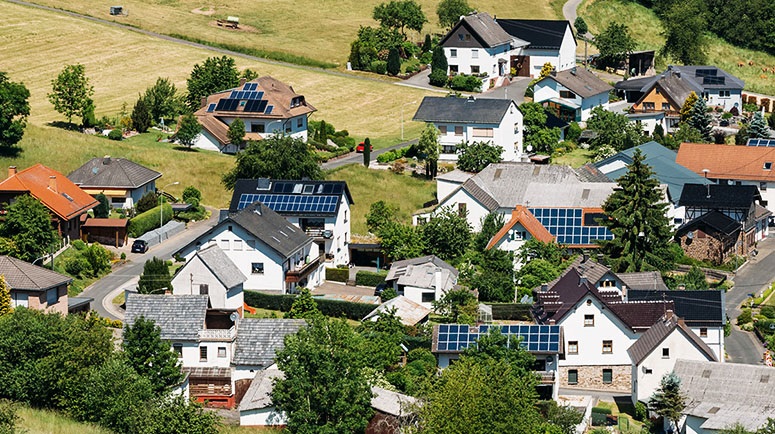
(139, 246)
(379, 289)
(362, 146)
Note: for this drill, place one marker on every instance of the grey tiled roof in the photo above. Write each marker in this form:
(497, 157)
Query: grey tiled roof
(392, 403)
(654, 336)
(407, 311)
(421, 272)
(579, 80)
(643, 280)
(258, 340)
(271, 228)
(576, 195)
(180, 317)
(221, 266)
(23, 275)
(462, 110)
(112, 172)
(485, 29)
(259, 394)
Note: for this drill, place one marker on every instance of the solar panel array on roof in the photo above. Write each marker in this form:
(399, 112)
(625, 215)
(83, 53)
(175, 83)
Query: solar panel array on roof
(269, 109)
(706, 73)
(533, 338)
(291, 187)
(566, 225)
(770, 143)
(255, 106)
(250, 86)
(227, 104)
(281, 203)
(244, 94)
(713, 80)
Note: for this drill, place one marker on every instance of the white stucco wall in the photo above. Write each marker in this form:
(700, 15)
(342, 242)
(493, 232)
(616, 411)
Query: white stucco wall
(714, 339)
(485, 58)
(475, 211)
(262, 417)
(444, 188)
(195, 273)
(339, 226)
(191, 354)
(507, 134)
(727, 102)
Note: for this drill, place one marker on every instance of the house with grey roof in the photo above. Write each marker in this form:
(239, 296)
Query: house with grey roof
(422, 280)
(721, 395)
(122, 181)
(210, 272)
(572, 94)
(407, 311)
(497, 122)
(655, 352)
(273, 254)
(35, 287)
(258, 340)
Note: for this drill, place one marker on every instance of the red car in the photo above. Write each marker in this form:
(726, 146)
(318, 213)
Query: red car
(362, 146)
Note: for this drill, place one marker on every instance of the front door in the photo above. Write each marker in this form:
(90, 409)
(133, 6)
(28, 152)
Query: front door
(521, 65)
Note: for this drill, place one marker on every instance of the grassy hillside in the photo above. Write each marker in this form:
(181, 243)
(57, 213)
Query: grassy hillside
(121, 63)
(646, 29)
(317, 29)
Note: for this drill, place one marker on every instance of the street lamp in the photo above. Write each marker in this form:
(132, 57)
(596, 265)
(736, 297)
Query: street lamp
(161, 207)
(402, 117)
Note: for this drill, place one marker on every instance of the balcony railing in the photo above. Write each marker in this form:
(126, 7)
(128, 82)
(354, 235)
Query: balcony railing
(546, 377)
(218, 334)
(302, 270)
(319, 233)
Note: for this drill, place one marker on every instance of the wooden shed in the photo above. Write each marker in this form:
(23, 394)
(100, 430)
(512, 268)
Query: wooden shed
(111, 232)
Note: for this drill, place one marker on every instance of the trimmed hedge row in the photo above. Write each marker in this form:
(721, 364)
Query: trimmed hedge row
(338, 274)
(333, 308)
(148, 220)
(511, 311)
(367, 278)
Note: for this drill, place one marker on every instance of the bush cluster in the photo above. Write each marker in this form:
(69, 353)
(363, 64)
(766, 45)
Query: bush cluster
(466, 83)
(115, 134)
(333, 308)
(148, 220)
(408, 151)
(368, 278)
(337, 274)
(87, 261)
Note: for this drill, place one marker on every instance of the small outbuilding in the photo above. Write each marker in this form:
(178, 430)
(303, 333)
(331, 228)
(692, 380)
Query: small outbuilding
(111, 232)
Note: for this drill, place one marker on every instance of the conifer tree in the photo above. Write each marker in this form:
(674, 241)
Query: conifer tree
(700, 119)
(668, 401)
(5, 297)
(686, 109)
(304, 306)
(393, 62)
(757, 129)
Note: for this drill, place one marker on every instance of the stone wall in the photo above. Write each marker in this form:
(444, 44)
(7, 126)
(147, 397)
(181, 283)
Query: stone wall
(591, 377)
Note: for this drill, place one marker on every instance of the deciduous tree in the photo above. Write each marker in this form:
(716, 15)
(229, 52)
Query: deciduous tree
(278, 157)
(400, 15)
(458, 305)
(236, 133)
(537, 137)
(13, 113)
(188, 130)
(450, 11)
(28, 225)
(5, 297)
(215, 74)
(447, 234)
(380, 214)
(685, 26)
(71, 92)
(163, 100)
(476, 156)
(150, 356)
(614, 44)
(581, 27)
(428, 149)
(491, 224)
(613, 129)
(400, 241)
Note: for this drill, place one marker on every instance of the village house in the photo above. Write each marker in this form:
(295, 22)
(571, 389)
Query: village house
(321, 209)
(422, 280)
(496, 122)
(122, 181)
(210, 272)
(265, 105)
(407, 311)
(572, 94)
(35, 287)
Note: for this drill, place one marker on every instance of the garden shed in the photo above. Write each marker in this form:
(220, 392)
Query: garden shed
(112, 232)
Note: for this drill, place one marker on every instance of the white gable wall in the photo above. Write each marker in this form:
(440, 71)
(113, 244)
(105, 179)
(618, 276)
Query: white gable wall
(475, 211)
(195, 273)
(507, 134)
(268, 416)
(486, 59)
(714, 339)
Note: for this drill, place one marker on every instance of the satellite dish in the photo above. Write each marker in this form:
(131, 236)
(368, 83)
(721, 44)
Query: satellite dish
(690, 235)
(233, 317)
(644, 369)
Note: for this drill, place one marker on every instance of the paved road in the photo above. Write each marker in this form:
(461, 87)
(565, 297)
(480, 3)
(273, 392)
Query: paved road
(105, 289)
(514, 91)
(569, 12)
(752, 278)
(355, 158)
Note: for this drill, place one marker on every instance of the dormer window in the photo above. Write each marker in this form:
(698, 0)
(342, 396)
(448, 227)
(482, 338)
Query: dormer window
(768, 165)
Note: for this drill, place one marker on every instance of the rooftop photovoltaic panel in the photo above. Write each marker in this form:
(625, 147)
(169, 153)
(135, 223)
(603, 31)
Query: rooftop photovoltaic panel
(289, 203)
(211, 107)
(250, 86)
(533, 338)
(706, 73)
(566, 225)
(713, 80)
(269, 109)
(227, 104)
(770, 143)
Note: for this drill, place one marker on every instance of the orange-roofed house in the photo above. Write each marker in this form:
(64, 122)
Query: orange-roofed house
(66, 201)
(735, 165)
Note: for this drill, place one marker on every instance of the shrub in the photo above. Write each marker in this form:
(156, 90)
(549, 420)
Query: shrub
(468, 83)
(378, 67)
(148, 220)
(191, 194)
(398, 167)
(334, 308)
(573, 133)
(744, 317)
(98, 259)
(641, 412)
(123, 256)
(77, 266)
(78, 245)
(148, 201)
(601, 410)
(768, 311)
(338, 274)
(8, 417)
(115, 135)
(368, 278)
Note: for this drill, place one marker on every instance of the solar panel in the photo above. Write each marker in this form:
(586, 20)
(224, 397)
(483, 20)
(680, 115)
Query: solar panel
(566, 225)
(533, 338)
(289, 203)
(713, 80)
(211, 107)
(706, 73)
(770, 143)
(269, 109)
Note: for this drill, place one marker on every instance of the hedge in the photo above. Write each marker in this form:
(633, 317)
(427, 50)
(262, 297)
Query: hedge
(333, 308)
(511, 311)
(148, 220)
(367, 278)
(338, 274)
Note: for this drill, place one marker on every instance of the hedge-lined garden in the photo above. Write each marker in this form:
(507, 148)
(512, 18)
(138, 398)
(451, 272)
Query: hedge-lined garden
(338, 274)
(333, 308)
(149, 220)
(368, 278)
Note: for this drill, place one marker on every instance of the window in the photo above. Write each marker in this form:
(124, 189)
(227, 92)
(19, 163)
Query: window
(453, 69)
(461, 36)
(448, 149)
(20, 300)
(763, 186)
(648, 371)
(573, 376)
(658, 91)
(723, 94)
(516, 128)
(648, 106)
(573, 347)
(665, 353)
(237, 244)
(453, 53)
(567, 94)
(474, 69)
(345, 216)
(608, 347)
(666, 106)
(767, 165)
(608, 283)
(202, 354)
(458, 130)
(221, 352)
(257, 128)
(468, 36)
(608, 376)
(224, 244)
(178, 349)
(442, 129)
(589, 320)
(257, 268)
(299, 122)
(52, 296)
(428, 297)
(703, 332)
(474, 55)
(461, 210)
(483, 132)
(204, 289)
(705, 95)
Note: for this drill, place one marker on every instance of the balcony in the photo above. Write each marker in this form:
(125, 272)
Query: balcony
(220, 335)
(303, 270)
(319, 233)
(545, 377)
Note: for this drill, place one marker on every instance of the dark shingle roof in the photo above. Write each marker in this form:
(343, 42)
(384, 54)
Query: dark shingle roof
(112, 173)
(271, 228)
(582, 82)
(485, 29)
(277, 187)
(180, 317)
(715, 220)
(258, 340)
(688, 74)
(462, 110)
(540, 33)
(221, 266)
(697, 308)
(721, 196)
(25, 276)
(654, 336)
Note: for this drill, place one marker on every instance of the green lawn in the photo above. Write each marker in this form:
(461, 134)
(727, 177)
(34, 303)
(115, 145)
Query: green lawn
(49, 422)
(576, 158)
(646, 28)
(367, 186)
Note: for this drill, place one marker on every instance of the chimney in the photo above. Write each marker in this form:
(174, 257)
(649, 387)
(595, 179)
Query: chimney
(624, 292)
(552, 322)
(544, 287)
(106, 160)
(11, 171)
(583, 279)
(584, 258)
(241, 82)
(52, 183)
(202, 102)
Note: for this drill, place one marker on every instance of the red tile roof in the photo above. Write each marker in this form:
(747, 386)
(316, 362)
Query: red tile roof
(52, 188)
(530, 223)
(106, 223)
(728, 161)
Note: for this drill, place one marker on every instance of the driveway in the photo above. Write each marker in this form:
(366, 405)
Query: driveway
(752, 278)
(356, 158)
(514, 91)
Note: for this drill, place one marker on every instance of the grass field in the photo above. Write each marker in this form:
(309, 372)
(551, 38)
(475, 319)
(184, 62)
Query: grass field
(122, 63)
(646, 28)
(576, 158)
(367, 186)
(322, 30)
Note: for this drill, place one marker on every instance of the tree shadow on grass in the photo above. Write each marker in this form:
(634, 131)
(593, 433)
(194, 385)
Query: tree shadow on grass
(10, 151)
(185, 148)
(625, 405)
(69, 126)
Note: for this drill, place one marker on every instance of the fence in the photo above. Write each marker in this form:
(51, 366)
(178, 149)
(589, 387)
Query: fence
(168, 230)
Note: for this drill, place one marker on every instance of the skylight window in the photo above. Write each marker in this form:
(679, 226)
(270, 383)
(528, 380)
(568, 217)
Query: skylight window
(768, 165)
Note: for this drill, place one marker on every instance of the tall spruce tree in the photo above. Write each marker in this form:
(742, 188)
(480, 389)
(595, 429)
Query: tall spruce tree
(700, 119)
(668, 401)
(439, 67)
(635, 214)
(757, 129)
(393, 62)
